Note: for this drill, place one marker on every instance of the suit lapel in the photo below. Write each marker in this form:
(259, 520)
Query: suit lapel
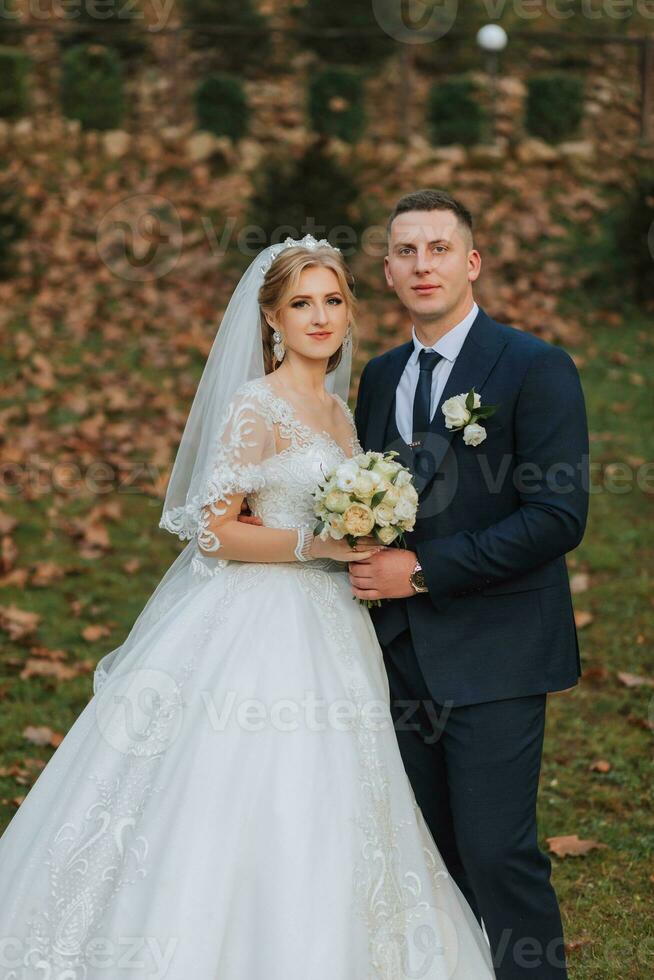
(475, 361)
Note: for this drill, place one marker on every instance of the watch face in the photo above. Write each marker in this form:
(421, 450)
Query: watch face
(418, 580)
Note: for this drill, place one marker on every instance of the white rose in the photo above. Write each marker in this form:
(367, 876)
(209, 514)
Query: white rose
(383, 514)
(337, 526)
(403, 478)
(337, 501)
(365, 484)
(474, 434)
(391, 495)
(409, 492)
(385, 469)
(346, 476)
(387, 534)
(405, 510)
(455, 411)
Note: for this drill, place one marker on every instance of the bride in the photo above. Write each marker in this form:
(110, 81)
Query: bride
(231, 804)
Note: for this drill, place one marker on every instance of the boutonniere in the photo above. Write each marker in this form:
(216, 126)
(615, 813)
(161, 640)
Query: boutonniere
(463, 412)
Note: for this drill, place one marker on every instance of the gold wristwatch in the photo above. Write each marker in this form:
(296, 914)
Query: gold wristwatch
(417, 578)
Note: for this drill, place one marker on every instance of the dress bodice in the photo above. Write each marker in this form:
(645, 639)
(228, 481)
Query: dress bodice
(285, 498)
(285, 479)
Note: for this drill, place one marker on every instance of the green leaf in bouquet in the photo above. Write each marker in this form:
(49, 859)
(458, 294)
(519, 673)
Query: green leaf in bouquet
(377, 497)
(470, 399)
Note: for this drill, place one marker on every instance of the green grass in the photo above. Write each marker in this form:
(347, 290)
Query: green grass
(607, 897)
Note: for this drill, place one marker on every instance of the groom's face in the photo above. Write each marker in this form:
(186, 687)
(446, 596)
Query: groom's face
(431, 264)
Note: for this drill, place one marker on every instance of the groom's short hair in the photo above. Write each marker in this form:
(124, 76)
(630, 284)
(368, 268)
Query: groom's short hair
(433, 200)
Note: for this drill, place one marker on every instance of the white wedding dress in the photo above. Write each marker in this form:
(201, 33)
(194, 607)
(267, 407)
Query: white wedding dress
(232, 804)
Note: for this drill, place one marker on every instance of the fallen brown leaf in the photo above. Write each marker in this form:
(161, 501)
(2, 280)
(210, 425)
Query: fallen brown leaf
(42, 735)
(572, 846)
(579, 582)
(46, 572)
(95, 632)
(634, 680)
(602, 765)
(18, 623)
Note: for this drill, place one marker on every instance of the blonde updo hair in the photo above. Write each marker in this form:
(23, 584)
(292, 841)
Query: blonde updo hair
(281, 281)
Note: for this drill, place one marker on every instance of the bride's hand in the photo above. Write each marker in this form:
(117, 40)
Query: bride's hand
(246, 515)
(341, 550)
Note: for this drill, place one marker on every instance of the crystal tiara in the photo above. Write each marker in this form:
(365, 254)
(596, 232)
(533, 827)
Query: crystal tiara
(307, 242)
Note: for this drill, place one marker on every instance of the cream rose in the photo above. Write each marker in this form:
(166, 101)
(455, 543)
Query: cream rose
(358, 520)
(336, 500)
(383, 513)
(387, 534)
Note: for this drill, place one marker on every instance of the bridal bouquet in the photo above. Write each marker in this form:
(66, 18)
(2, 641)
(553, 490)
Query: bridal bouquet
(370, 494)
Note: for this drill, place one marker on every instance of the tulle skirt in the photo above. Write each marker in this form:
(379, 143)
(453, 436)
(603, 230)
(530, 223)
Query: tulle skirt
(232, 805)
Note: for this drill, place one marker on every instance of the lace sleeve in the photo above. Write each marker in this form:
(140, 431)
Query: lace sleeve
(244, 440)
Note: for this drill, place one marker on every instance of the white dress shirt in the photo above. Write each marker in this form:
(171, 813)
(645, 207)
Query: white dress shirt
(449, 346)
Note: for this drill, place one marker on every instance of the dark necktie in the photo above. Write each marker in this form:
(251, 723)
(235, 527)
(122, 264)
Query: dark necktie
(422, 399)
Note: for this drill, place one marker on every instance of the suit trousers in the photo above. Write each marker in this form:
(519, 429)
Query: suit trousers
(475, 771)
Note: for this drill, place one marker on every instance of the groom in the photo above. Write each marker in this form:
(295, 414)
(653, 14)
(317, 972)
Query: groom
(477, 622)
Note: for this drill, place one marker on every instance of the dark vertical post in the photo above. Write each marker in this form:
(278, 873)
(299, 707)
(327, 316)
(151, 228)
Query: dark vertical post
(405, 100)
(646, 84)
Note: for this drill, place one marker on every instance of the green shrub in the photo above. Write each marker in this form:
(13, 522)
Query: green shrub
(12, 228)
(336, 106)
(454, 113)
(92, 86)
(554, 105)
(633, 239)
(111, 22)
(291, 194)
(14, 66)
(231, 52)
(319, 19)
(11, 34)
(613, 254)
(221, 106)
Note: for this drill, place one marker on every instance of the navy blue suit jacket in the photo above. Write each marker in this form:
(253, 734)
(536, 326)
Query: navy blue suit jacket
(494, 521)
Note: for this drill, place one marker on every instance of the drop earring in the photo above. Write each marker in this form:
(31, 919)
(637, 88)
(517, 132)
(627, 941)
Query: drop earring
(278, 349)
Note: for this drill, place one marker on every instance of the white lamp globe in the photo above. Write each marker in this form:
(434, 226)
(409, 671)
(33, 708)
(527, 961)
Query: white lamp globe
(492, 37)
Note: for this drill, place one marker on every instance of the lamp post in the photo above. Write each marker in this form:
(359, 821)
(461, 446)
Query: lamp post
(492, 39)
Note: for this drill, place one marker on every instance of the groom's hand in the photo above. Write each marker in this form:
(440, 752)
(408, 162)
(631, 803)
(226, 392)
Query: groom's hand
(246, 515)
(385, 575)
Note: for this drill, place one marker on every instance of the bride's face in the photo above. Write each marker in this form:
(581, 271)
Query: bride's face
(314, 317)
